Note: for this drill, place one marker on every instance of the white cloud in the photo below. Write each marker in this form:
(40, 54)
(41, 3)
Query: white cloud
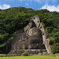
(0, 7)
(51, 8)
(4, 6)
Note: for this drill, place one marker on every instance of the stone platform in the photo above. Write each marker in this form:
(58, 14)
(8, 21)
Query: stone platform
(30, 52)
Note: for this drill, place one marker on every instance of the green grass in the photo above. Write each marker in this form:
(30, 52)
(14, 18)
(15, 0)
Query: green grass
(31, 57)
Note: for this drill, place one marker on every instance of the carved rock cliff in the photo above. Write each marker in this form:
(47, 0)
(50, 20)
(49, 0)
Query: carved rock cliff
(32, 37)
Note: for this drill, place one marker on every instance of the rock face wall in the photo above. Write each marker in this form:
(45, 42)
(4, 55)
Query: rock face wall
(32, 37)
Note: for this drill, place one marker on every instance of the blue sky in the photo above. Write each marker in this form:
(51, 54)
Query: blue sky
(51, 5)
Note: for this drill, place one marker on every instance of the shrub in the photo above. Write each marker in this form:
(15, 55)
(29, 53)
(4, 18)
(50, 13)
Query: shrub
(56, 48)
(56, 39)
(51, 42)
(25, 53)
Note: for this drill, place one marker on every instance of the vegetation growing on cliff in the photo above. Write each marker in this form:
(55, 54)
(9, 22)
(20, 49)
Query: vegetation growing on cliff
(13, 19)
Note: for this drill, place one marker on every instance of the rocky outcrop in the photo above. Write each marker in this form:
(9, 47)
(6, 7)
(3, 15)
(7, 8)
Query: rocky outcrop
(32, 37)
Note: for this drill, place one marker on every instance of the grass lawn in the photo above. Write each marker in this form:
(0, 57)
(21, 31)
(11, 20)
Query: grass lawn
(32, 57)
